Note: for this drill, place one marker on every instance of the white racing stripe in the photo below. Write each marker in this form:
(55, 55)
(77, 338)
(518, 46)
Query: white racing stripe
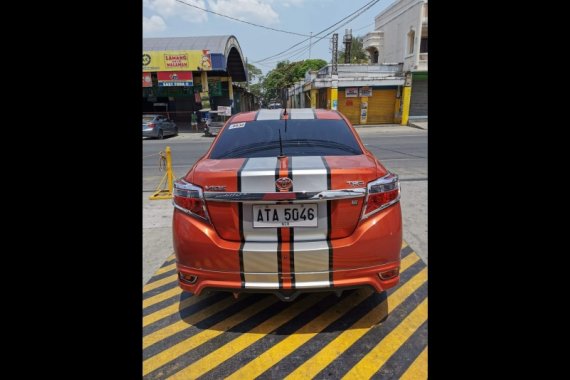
(301, 113)
(311, 252)
(260, 265)
(259, 251)
(310, 247)
(310, 174)
(311, 263)
(269, 114)
(257, 176)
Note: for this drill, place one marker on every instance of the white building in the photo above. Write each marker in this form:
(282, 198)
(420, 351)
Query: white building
(401, 36)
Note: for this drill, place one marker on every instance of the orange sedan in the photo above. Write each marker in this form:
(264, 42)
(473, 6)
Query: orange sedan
(287, 201)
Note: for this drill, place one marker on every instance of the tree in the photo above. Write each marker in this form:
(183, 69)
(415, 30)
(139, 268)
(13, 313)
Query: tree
(285, 74)
(357, 52)
(254, 73)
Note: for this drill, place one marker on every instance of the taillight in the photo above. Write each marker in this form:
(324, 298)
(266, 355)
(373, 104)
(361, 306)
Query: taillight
(381, 193)
(189, 199)
(151, 125)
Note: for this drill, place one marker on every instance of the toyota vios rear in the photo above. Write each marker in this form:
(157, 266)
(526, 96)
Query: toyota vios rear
(287, 203)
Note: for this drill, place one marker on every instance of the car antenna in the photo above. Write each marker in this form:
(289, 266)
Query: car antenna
(285, 112)
(281, 155)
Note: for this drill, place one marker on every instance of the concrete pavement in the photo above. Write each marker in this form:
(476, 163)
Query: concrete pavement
(157, 234)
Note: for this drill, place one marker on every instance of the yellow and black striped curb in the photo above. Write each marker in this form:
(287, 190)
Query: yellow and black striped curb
(361, 334)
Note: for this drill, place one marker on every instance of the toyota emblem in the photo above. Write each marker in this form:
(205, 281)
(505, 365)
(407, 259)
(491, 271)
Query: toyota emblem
(284, 184)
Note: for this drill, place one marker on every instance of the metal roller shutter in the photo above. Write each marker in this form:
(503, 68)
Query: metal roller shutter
(381, 106)
(349, 107)
(419, 100)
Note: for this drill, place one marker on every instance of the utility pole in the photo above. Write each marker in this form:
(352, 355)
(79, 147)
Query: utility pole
(334, 53)
(347, 40)
(334, 73)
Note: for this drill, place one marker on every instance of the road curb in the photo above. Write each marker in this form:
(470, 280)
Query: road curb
(419, 126)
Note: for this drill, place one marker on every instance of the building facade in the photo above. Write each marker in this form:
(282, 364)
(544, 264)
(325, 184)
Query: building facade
(182, 75)
(366, 94)
(401, 35)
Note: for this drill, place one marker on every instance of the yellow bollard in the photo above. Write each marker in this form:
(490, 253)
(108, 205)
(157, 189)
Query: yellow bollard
(406, 93)
(161, 193)
(169, 170)
(406, 105)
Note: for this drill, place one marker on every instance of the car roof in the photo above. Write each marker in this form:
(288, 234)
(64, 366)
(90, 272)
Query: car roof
(150, 115)
(294, 113)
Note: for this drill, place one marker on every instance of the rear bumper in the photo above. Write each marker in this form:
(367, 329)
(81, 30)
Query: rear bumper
(349, 279)
(355, 261)
(150, 132)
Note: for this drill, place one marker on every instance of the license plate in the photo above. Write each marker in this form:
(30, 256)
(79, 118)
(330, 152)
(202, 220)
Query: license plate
(287, 215)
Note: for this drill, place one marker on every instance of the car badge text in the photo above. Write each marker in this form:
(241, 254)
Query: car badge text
(215, 188)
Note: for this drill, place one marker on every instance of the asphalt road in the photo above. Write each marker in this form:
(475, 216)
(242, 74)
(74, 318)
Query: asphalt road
(402, 150)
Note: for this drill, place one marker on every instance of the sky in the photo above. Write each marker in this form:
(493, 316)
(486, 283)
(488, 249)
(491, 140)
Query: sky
(170, 18)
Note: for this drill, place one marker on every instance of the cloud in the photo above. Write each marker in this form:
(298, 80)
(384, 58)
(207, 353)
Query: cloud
(153, 24)
(246, 10)
(287, 3)
(172, 8)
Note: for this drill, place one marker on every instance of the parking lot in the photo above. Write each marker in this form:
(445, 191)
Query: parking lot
(358, 335)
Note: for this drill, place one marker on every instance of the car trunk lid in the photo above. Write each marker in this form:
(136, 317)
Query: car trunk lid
(237, 189)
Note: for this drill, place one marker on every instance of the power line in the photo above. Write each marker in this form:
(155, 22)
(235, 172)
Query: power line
(365, 26)
(297, 52)
(360, 10)
(245, 22)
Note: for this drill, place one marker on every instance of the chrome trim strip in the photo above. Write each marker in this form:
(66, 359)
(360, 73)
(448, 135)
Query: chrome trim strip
(286, 196)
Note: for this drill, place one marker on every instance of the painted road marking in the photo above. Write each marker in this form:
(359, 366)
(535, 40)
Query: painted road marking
(165, 269)
(418, 369)
(308, 331)
(372, 362)
(327, 354)
(159, 283)
(173, 352)
(161, 297)
(245, 340)
(362, 334)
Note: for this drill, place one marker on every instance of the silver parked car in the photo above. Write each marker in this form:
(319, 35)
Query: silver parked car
(214, 123)
(158, 126)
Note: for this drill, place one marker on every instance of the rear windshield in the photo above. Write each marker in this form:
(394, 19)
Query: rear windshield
(146, 119)
(315, 137)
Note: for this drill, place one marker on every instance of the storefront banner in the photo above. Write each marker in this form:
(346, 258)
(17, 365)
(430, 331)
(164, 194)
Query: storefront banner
(351, 92)
(177, 60)
(365, 91)
(146, 80)
(175, 78)
(225, 111)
